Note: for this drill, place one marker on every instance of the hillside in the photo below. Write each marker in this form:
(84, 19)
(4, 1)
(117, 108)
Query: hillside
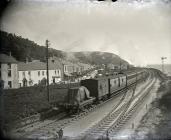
(21, 48)
(99, 57)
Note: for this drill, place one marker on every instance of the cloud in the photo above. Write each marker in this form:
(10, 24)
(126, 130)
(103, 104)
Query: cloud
(134, 30)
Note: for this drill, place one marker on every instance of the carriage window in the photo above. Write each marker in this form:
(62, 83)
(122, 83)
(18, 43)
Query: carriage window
(100, 86)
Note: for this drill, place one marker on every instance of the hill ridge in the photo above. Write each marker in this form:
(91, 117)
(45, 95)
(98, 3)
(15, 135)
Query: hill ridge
(22, 48)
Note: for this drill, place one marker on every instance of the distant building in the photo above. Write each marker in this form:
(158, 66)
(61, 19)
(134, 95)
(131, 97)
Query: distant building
(117, 66)
(31, 73)
(124, 66)
(85, 67)
(8, 71)
(114, 67)
(78, 68)
(70, 70)
(68, 67)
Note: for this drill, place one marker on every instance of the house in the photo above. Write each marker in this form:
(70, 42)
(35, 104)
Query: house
(71, 70)
(35, 72)
(113, 66)
(67, 68)
(86, 66)
(78, 68)
(8, 71)
(117, 66)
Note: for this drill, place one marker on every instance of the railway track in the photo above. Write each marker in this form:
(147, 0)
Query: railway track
(128, 113)
(113, 121)
(56, 124)
(66, 120)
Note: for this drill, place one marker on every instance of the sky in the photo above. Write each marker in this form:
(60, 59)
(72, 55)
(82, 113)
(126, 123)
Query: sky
(137, 30)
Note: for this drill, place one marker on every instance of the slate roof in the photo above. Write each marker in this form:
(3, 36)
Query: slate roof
(7, 59)
(37, 65)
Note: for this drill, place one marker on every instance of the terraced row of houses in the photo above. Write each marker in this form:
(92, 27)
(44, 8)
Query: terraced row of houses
(15, 74)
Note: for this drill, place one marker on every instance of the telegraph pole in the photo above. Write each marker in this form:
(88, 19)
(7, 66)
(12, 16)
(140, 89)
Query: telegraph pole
(120, 65)
(2, 115)
(47, 66)
(162, 59)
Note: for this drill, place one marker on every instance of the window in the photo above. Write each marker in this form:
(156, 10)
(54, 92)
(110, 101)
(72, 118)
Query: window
(38, 73)
(43, 73)
(9, 66)
(9, 70)
(23, 73)
(53, 80)
(9, 73)
(29, 73)
(10, 84)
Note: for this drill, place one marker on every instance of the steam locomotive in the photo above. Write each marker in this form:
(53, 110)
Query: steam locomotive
(97, 89)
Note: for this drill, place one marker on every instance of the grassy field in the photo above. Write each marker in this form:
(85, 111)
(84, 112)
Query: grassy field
(23, 102)
(164, 128)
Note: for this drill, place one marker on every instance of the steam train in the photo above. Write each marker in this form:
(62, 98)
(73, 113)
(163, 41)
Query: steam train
(97, 89)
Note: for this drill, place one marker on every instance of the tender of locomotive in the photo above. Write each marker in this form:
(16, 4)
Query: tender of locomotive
(77, 98)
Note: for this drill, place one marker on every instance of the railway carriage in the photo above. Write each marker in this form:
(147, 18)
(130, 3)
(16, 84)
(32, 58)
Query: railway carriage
(122, 81)
(117, 83)
(99, 87)
(113, 84)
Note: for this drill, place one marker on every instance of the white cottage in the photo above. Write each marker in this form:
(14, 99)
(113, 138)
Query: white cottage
(31, 73)
(8, 71)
